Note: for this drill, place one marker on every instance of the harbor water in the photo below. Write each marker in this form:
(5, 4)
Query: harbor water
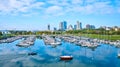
(11, 55)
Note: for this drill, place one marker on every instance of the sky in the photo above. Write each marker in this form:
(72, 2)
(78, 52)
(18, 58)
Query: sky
(37, 14)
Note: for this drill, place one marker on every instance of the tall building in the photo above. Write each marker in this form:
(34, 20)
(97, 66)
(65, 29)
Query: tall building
(79, 25)
(92, 27)
(63, 26)
(75, 27)
(49, 27)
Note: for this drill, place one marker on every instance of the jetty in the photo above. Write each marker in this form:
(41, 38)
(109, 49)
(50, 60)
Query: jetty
(49, 40)
(27, 42)
(11, 39)
(81, 41)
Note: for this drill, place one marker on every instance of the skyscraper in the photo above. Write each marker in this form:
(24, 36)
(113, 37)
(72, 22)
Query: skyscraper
(75, 27)
(49, 27)
(79, 25)
(63, 26)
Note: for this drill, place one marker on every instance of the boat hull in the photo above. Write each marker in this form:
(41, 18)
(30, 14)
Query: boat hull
(66, 57)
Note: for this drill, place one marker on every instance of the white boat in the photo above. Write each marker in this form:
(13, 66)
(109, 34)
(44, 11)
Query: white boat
(55, 43)
(119, 55)
(23, 45)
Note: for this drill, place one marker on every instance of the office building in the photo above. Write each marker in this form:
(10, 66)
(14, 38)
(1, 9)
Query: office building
(88, 26)
(63, 26)
(55, 29)
(79, 25)
(49, 27)
(75, 27)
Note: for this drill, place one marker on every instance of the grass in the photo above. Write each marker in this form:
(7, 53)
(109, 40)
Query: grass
(105, 37)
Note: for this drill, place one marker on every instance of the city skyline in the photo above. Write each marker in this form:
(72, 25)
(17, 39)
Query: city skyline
(37, 14)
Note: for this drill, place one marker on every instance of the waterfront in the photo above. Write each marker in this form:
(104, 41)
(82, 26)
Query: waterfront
(47, 56)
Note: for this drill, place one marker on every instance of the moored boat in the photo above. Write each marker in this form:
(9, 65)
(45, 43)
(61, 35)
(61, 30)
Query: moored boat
(32, 53)
(66, 57)
(118, 55)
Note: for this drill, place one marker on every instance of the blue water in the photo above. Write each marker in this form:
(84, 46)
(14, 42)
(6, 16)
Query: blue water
(48, 56)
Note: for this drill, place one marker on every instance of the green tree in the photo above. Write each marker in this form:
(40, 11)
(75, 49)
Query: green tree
(0, 33)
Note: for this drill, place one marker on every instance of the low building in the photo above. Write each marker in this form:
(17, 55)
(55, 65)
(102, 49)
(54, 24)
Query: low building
(88, 26)
(5, 31)
(70, 27)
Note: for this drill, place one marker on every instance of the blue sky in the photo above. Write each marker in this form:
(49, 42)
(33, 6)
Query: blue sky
(37, 14)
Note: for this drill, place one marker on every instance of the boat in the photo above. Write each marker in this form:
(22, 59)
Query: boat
(32, 53)
(66, 57)
(55, 43)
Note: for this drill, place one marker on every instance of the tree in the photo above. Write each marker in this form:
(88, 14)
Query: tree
(0, 33)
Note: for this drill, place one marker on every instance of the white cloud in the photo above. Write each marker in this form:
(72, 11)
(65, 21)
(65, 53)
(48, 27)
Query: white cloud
(103, 7)
(58, 7)
(16, 6)
(59, 2)
(94, 8)
(90, 1)
(77, 1)
(54, 10)
(89, 9)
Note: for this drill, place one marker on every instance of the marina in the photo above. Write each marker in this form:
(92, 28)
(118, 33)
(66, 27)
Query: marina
(40, 53)
(59, 33)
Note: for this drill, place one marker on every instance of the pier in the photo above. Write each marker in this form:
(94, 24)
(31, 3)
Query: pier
(49, 40)
(27, 41)
(11, 39)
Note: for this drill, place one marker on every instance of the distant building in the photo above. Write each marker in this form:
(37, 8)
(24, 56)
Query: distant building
(49, 27)
(75, 27)
(108, 28)
(63, 26)
(103, 27)
(79, 25)
(70, 27)
(92, 27)
(5, 31)
(88, 26)
(55, 28)
(116, 28)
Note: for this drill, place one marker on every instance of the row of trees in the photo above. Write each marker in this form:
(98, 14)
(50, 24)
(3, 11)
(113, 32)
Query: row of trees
(84, 31)
(94, 31)
(34, 32)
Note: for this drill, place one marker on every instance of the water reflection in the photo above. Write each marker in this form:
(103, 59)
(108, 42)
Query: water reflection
(47, 56)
